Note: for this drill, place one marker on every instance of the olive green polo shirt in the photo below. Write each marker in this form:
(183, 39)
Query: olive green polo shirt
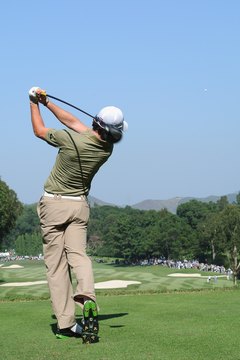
(67, 176)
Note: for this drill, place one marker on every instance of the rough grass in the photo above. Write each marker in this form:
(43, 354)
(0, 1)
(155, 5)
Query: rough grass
(179, 326)
(162, 318)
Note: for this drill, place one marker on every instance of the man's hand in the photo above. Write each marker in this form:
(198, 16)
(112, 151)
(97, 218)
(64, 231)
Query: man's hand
(37, 95)
(42, 96)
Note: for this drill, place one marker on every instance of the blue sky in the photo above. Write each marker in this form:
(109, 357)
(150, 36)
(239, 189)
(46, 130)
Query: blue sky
(172, 66)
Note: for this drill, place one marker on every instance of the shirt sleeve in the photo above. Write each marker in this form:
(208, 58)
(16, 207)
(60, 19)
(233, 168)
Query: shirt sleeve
(55, 137)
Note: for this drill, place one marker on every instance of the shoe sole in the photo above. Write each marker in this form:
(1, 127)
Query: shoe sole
(89, 338)
(90, 326)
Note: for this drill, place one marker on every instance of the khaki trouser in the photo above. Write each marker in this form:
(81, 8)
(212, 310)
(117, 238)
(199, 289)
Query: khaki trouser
(64, 230)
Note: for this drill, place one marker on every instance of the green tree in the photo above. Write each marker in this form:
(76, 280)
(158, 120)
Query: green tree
(229, 227)
(222, 202)
(238, 199)
(195, 212)
(10, 208)
(26, 223)
(210, 239)
(29, 244)
(137, 234)
(174, 238)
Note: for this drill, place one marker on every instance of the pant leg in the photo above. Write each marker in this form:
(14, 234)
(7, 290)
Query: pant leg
(54, 216)
(75, 246)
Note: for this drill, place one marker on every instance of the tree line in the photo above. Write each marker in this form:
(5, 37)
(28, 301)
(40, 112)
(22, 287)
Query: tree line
(208, 232)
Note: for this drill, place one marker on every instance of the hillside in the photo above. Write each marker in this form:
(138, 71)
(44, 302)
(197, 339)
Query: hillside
(172, 204)
(169, 204)
(94, 201)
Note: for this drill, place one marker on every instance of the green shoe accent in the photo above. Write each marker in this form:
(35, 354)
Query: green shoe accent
(94, 309)
(90, 322)
(86, 308)
(62, 337)
(66, 334)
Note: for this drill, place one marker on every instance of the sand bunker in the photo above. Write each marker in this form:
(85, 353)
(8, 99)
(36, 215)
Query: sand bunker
(112, 284)
(12, 267)
(29, 283)
(196, 275)
(184, 275)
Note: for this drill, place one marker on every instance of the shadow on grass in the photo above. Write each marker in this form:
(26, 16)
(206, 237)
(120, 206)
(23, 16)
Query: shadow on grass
(121, 265)
(100, 318)
(110, 316)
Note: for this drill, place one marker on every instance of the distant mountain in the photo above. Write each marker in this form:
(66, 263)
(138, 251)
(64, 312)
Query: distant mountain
(172, 204)
(94, 201)
(169, 204)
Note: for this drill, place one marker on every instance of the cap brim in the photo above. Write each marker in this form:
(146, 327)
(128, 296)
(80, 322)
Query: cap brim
(125, 125)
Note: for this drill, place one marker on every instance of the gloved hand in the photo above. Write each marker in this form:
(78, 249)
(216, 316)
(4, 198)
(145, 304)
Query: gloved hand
(33, 95)
(38, 95)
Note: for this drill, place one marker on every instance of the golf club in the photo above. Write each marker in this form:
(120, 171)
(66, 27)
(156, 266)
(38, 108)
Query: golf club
(116, 133)
(73, 106)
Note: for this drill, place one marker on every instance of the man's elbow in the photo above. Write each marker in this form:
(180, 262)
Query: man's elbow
(40, 133)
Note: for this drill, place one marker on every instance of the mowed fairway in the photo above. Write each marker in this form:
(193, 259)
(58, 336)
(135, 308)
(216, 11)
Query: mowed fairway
(142, 323)
(151, 278)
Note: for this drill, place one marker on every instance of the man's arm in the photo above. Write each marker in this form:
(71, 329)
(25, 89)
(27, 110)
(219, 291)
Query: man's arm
(66, 118)
(63, 116)
(39, 128)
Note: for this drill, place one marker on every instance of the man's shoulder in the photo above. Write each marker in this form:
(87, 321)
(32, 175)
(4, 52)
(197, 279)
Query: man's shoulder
(56, 136)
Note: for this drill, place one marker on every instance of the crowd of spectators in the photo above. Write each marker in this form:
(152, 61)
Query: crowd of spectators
(173, 264)
(177, 264)
(5, 257)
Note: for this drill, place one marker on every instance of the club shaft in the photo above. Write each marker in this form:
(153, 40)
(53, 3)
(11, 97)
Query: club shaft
(73, 106)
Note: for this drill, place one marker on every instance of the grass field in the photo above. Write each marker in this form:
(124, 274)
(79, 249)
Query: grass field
(149, 321)
(152, 279)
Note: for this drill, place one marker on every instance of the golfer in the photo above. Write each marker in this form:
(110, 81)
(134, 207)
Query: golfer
(64, 210)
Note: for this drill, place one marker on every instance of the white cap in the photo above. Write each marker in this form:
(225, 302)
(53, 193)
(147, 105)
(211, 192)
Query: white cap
(112, 115)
